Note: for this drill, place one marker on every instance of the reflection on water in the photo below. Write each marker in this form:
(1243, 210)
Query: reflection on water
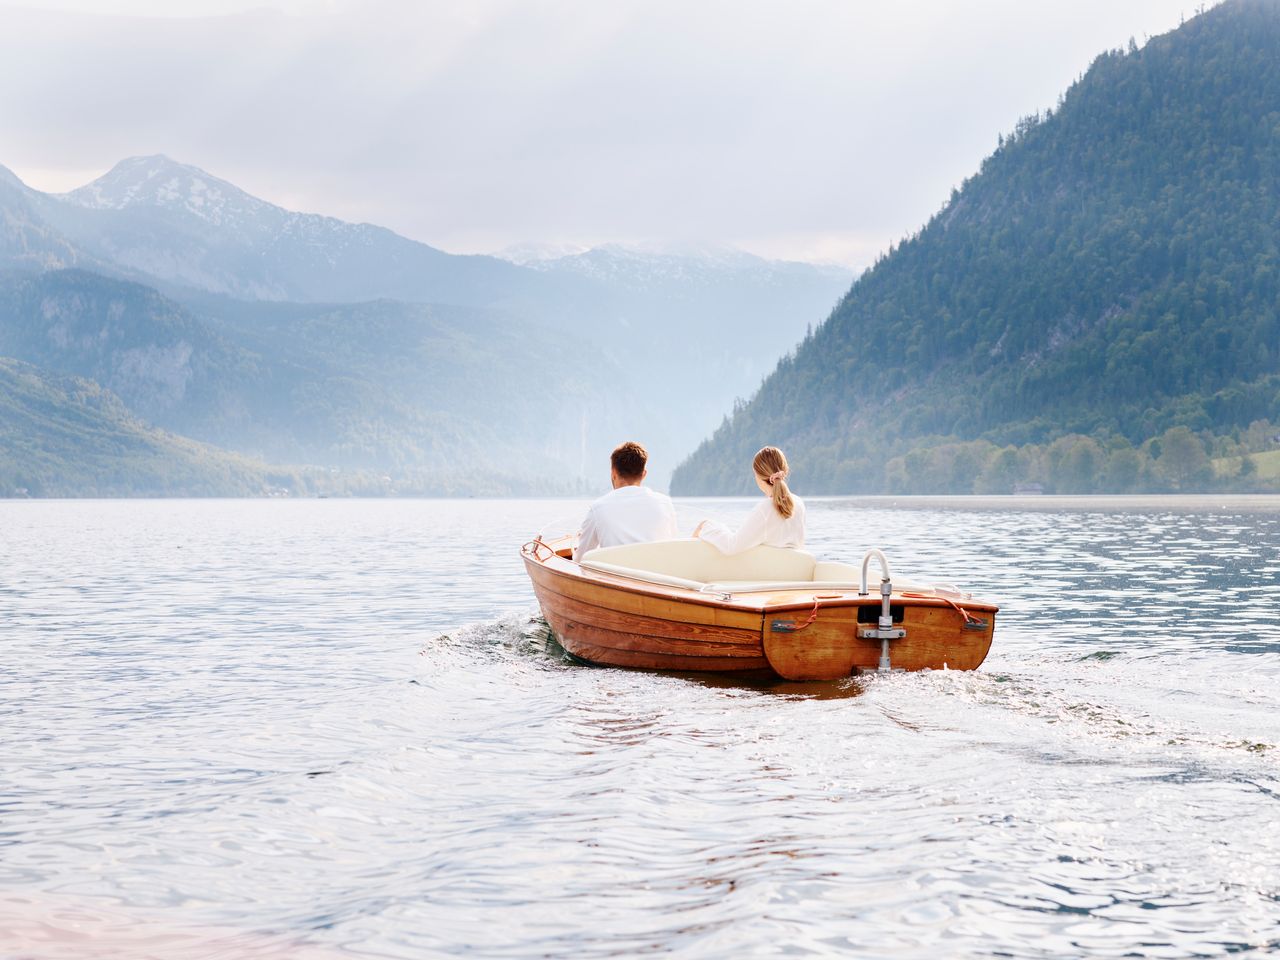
(260, 729)
(805, 689)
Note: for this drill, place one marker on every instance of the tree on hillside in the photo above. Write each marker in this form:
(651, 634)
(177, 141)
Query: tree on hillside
(1183, 461)
(1124, 470)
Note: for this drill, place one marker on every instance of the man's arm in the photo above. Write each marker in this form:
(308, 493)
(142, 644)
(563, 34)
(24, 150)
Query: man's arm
(588, 536)
(672, 531)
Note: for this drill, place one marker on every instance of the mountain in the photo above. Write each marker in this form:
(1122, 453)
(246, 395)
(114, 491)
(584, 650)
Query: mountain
(27, 241)
(677, 336)
(66, 436)
(624, 343)
(439, 398)
(177, 225)
(166, 366)
(1110, 277)
(673, 272)
(428, 386)
(701, 327)
(706, 293)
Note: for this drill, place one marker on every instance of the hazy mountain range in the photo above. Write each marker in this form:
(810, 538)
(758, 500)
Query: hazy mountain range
(302, 339)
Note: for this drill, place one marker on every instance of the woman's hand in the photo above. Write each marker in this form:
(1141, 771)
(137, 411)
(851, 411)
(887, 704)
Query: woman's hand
(698, 529)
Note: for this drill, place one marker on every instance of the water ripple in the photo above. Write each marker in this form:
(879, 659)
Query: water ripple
(340, 729)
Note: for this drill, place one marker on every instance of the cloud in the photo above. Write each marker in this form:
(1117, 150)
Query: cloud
(811, 125)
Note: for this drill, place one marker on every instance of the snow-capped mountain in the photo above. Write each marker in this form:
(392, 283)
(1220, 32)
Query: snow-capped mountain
(157, 181)
(179, 227)
(185, 193)
(732, 309)
(532, 254)
(680, 270)
(177, 224)
(682, 332)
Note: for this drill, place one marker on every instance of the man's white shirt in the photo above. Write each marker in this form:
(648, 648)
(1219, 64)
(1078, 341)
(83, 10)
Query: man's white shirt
(629, 514)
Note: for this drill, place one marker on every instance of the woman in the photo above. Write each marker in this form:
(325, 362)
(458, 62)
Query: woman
(776, 522)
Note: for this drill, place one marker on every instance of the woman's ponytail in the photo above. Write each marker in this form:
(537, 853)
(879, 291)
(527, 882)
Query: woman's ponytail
(770, 466)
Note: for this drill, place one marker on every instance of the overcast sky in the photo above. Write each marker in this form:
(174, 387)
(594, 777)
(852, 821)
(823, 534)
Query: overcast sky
(800, 129)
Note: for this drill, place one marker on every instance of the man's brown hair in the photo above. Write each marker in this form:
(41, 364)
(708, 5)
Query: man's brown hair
(629, 460)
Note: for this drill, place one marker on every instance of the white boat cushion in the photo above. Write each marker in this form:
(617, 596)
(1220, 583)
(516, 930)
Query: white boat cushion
(648, 576)
(696, 565)
(831, 570)
(699, 561)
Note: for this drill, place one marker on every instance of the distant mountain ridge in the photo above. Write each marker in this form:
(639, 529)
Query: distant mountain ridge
(220, 307)
(1111, 274)
(706, 314)
(27, 241)
(176, 224)
(641, 268)
(384, 386)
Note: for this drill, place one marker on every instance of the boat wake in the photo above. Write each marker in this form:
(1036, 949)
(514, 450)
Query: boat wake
(1094, 704)
(523, 635)
(1098, 706)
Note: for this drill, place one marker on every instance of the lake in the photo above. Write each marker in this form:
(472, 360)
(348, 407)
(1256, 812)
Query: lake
(335, 728)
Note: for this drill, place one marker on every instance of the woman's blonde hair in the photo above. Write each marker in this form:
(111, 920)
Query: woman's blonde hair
(770, 466)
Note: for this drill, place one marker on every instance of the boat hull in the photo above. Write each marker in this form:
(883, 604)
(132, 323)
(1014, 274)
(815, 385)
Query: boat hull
(794, 634)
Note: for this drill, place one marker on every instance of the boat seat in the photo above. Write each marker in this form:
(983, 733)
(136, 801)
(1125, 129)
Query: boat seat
(760, 586)
(699, 563)
(834, 570)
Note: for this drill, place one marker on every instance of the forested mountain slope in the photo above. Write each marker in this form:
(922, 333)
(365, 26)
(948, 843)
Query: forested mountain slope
(438, 399)
(67, 436)
(1111, 273)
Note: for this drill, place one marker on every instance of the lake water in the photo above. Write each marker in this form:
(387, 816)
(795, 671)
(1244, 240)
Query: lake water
(245, 729)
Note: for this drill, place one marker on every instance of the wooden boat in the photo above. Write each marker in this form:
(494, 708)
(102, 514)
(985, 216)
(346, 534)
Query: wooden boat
(682, 605)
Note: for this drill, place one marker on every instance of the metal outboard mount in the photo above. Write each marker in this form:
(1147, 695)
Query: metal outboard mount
(884, 631)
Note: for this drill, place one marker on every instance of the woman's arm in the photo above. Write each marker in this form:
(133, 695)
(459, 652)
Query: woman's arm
(750, 534)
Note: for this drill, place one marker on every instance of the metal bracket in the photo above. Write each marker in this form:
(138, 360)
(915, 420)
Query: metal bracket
(880, 633)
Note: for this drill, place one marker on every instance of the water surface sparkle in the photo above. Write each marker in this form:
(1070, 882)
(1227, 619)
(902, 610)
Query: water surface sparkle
(334, 728)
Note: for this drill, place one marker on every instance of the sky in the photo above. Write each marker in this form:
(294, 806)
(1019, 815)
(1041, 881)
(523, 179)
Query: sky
(819, 130)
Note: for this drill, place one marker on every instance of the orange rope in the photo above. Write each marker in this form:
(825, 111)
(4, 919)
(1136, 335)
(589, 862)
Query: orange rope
(968, 617)
(814, 615)
(537, 542)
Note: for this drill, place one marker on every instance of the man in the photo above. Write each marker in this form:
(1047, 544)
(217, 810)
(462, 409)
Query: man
(630, 513)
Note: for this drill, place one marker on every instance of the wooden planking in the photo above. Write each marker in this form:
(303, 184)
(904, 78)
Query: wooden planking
(612, 657)
(618, 627)
(830, 647)
(824, 650)
(674, 630)
(936, 637)
(575, 631)
(626, 599)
